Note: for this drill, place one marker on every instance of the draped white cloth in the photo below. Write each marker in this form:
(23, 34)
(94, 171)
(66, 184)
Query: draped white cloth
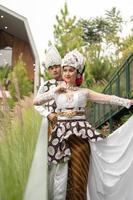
(36, 188)
(111, 167)
(57, 181)
(38, 182)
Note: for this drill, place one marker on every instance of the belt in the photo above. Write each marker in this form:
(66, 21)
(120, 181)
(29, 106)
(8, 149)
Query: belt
(71, 113)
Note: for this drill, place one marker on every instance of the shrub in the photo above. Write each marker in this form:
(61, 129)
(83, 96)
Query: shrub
(20, 84)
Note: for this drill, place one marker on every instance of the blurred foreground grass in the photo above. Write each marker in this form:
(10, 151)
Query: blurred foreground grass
(17, 146)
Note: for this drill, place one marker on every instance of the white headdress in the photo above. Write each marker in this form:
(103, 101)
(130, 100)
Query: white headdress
(52, 57)
(74, 59)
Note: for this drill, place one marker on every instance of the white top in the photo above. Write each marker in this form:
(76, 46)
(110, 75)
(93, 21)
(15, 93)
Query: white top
(79, 98)
(76, 99)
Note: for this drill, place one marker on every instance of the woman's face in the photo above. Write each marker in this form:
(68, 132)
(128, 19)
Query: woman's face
(69, 75)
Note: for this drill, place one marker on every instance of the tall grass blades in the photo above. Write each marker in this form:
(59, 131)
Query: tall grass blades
(17, 146)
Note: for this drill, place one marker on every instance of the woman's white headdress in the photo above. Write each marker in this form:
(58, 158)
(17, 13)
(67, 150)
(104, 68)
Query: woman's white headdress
(52, 57)
(74, 59)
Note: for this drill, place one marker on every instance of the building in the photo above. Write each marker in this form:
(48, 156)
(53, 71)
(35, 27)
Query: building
(15, 40)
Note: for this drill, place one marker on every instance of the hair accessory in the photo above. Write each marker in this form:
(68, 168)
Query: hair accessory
(74, 59)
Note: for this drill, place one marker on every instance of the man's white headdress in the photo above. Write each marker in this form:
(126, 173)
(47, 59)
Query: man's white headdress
(74, 59)
(52, 57)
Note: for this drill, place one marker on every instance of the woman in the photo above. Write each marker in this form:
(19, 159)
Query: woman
(72, 126)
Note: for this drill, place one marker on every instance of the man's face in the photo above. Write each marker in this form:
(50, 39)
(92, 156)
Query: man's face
(55, 71)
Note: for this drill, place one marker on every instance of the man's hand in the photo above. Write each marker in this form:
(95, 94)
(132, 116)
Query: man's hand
(52, 117)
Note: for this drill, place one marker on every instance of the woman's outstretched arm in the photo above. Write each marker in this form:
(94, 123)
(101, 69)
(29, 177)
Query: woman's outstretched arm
(47, 96)
(108, 99)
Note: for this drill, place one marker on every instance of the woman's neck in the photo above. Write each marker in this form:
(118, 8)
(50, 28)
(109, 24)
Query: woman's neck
(71, 87)
(71, 84)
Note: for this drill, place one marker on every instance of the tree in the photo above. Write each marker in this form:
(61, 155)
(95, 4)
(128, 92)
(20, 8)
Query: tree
(127, 43)
(67, 32)
(127, 47)
(102, 45)
(97, 38)
(4, 72)
(20, 85)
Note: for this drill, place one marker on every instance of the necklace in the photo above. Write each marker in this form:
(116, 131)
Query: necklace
(69, 97)
(69, 93)
(73, 88)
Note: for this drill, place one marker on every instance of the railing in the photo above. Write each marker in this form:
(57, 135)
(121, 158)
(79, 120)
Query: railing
(121, 85)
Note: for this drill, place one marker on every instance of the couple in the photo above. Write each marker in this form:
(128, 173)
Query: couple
(72, 138)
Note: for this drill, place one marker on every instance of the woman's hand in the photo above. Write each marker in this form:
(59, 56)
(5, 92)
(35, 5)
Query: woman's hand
(60, 88)
(131, 101)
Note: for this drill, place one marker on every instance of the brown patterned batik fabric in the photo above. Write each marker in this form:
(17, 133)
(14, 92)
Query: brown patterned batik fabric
(50, 105)
(51, 126)
(78, 169)
(59, 147)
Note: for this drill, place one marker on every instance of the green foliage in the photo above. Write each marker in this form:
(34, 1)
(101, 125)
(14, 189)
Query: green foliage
(4, 72)
(98, 70)
(98, 87)
(103, 35)
(94, 29)
(102, 49)
(115, 22)
(101, 69)
(103, 29)
(11, 102)
(125, 117)
(127, 47)
(20, 84)
(131, 94)
(47, 75)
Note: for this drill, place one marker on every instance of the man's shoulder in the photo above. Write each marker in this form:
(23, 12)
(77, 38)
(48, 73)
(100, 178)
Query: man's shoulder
(51, 82)
(47, 85)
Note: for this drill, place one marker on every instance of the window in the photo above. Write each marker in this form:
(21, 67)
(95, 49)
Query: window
(6, 56)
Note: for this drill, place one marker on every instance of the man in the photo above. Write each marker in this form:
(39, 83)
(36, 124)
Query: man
(53, 64)
(48, 111)
(37, 188)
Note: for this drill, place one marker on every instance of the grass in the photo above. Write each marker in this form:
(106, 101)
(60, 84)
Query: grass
(17, 146)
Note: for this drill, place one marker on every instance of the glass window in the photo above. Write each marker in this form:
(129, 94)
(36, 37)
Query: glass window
(6, 56)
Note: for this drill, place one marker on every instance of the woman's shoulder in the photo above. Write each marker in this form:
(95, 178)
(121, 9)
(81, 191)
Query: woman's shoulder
(83, 90)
